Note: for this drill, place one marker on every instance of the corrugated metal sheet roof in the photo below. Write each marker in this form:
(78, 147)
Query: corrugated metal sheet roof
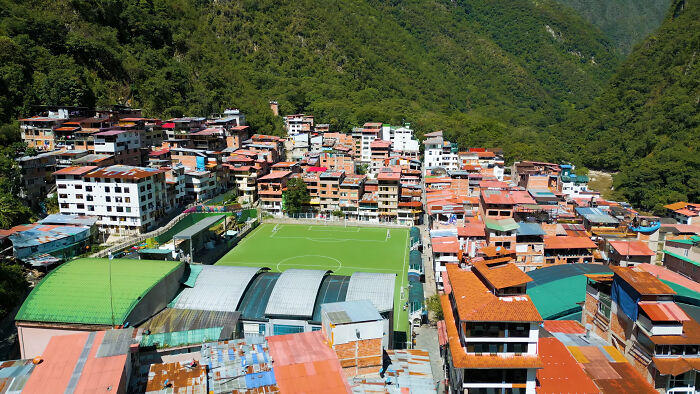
(198, 227)
(238, 366)
(60, 218)
(181, 338)
(217, 288)
(333, 289)
(377, 288)
(351, 312)
(78, 291)
(14, 375)
(295, 293)
(169, 320)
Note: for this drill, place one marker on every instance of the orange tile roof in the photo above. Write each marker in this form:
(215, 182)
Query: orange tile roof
(501, 275)
(642, 281)
(460, 358)
(568, 242)
(631, 248)
(561, 373)
(663, 311)
(676, 365)
(476, 303)
(305, 363)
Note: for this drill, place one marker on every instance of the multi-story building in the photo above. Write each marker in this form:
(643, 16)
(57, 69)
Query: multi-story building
(636, 312)
(312, 180)
(379, 152)
(529, 246)
(246, 171)
(402, 140)
(329, 190)
(337, 162)
(440, 153)
(175, 183)
(201, 185)
(124, 198)
(683, 256)
(368, 211)
(36, 176)
(38, 131)
(270, 189)
(536, 175)
(572, 185)
(629, 252)
(492, 330)
(298, 124)
(568, 249)
(684, 212)
(496, 204)
(389, 188)
(501, 232)
(446, 251)
(364, 137)
(351, 191)
(123, 143)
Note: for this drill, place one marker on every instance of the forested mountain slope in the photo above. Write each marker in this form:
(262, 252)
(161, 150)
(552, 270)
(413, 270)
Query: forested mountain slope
(646, 124)
(455, 65)
(624, 22)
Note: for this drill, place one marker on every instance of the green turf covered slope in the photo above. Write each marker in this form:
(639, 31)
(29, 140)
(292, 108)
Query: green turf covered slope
(343, 250)
(78, 291)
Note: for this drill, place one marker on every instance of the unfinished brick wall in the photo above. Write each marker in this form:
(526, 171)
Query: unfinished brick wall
(621, 325)
(360, 357)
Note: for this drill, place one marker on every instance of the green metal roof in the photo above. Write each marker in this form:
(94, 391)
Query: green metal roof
(415, 261)
(78, 291)
(559, 297)
(501, 225)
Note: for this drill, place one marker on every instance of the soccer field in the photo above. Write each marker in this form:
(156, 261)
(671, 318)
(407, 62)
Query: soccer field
(343, 250)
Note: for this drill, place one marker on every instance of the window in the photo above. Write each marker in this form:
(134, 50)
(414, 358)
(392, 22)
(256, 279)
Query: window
(90, 208)
(108, 198)
(117, 189)
(88, 188)
(62, 196)
(107, 189)
(128, 209)
(81, 206)
(143, 188)
(109, 209)
(120, 209)
(282, 329)
(118, 199)
(61, 186)
(88, 197)
(127, 199)
(150, 196)
(79, 196)
(78, 186)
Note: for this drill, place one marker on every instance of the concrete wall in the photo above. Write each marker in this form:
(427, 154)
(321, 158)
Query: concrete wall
(33, 340)
(157, 298)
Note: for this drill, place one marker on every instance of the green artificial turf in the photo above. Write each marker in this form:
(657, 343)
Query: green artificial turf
(343, 250)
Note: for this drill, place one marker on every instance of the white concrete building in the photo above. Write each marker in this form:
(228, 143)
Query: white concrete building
(298, 123)
(440, 153)
(125, 199)
(401, 138)
(201, 185)
(123, 143)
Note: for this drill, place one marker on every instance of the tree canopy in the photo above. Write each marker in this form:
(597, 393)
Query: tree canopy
(296, 196)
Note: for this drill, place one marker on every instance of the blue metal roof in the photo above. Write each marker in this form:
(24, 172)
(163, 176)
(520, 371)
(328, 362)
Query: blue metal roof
(529, 229)
(333, 289)
(255, 299)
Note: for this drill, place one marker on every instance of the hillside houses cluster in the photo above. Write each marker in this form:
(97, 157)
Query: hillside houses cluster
(490, 226)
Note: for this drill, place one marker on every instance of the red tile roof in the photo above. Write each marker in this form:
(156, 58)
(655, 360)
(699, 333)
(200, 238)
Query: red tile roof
(476, 303)
(568, 242)
(305, 363)
(631, 248)
(561, 372)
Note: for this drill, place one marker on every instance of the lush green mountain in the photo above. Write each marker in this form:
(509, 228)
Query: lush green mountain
(625, 22)
(646, 124)
(439, 63)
